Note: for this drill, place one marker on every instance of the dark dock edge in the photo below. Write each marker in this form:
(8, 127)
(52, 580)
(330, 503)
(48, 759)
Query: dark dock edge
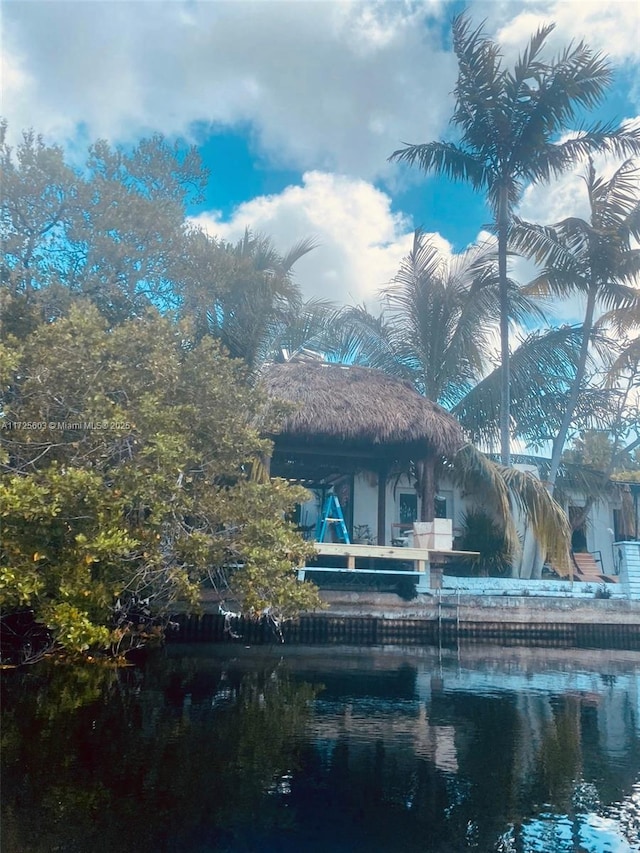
(377, 630)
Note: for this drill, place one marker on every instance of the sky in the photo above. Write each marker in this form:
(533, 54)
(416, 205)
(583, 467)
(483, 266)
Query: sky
(295, 107)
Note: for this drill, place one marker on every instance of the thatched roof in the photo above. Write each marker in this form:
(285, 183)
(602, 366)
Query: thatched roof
(358, 406)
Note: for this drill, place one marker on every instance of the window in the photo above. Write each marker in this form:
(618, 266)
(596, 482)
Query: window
(441, 507)
(408, 507)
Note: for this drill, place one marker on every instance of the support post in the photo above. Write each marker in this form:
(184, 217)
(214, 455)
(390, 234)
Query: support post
(382, 504)
(428, 488)
(424, 579)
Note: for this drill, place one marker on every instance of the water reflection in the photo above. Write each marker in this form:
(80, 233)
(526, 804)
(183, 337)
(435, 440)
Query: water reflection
(219, 748)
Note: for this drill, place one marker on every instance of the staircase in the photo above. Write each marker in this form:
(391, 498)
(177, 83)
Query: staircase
(587, 570)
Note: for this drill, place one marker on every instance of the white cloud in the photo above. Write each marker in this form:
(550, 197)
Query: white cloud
(361, 240)
(565, 196)
(334, 85)
(612, 27)
(327, 86)
(549, 203)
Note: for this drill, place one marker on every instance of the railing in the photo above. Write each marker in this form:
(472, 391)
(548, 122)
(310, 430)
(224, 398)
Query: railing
(377, 559)
(354, 557)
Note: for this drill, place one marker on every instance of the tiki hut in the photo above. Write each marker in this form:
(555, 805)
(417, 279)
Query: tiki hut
(352, 418)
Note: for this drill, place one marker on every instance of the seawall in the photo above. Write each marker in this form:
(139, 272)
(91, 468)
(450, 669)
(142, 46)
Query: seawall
(375, 618)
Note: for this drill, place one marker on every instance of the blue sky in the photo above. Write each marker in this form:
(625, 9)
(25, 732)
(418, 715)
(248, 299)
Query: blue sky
(295, 107)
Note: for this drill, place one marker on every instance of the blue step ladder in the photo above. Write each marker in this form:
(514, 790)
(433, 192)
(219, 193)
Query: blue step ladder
(332, 515)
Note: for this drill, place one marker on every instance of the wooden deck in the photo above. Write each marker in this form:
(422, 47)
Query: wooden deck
(359, 558)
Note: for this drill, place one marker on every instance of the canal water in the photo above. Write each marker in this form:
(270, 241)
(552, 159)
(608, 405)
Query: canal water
(326, 750)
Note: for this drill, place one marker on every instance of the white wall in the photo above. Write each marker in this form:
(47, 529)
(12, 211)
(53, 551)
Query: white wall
(365, 511)
(599, 528)
(365, 501)
(628, 559)
(599, 537)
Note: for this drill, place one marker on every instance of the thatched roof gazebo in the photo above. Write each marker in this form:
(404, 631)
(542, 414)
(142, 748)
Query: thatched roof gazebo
(348, 418)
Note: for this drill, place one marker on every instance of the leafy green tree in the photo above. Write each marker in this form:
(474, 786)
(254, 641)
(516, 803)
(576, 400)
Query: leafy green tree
(592, 448)
(127, 457)
(510, 122)
(592, 464)
(111, 231)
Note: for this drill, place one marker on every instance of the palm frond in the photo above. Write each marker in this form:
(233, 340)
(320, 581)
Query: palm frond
(541, 243)
(542, 370)
(555, 283)
(505, 491)
(297, 251)
(362, 338)
(613, 202)
(439, 317)
(547, 518)
(305, 326)
(629, 267)
(445, 158)
(621, 142)
(528, 66)
(618, 297)
(581, 478)
(623, 320)
(627, 361)
(474, 473)
(575, 80)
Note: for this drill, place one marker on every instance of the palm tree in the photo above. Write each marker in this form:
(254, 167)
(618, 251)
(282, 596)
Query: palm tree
(436, 332)
(248, 296)
(625, 322)
(510, 121)
(507, 491)
(543, 369)
(594, 258)
(441, 315)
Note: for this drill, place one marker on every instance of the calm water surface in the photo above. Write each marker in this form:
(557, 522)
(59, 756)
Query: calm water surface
(227, 748)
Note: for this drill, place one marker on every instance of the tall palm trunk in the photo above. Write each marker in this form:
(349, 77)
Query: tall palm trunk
(561, 437)
(505, 391)
(428, 488)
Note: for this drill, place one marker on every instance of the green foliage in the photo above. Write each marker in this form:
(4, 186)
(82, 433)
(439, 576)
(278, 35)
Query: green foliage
(591, 448)
(595, 258)
(127, 459)
(113, 231)
(482, 533)
(507, 493)
(247, 298)
(441, 315)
